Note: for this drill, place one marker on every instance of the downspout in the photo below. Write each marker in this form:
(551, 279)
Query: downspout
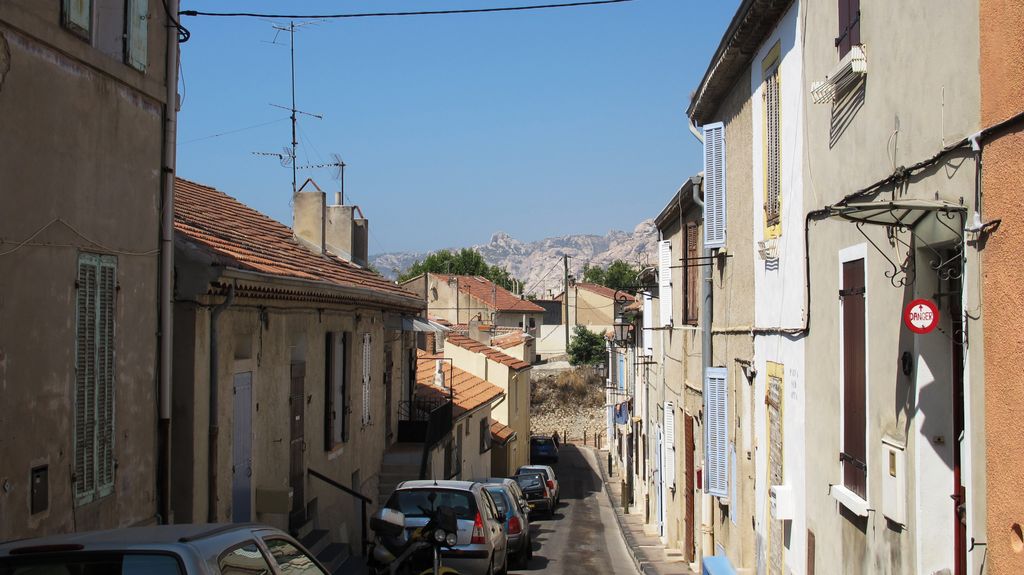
(211, 498)
(167, 268)
(707, 543)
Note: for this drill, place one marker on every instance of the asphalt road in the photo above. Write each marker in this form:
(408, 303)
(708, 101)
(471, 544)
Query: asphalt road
(583, 537)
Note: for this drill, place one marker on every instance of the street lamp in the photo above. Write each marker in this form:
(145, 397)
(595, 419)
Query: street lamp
(621, 328)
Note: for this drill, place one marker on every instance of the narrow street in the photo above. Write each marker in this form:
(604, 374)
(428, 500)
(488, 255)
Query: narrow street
(583, 536)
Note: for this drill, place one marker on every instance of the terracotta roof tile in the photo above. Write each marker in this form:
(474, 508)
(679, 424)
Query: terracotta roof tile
(509, 340)
(491, 294)
(605, 291)
(501, 433)
(255, 242)
(491, 353)
(469, 390)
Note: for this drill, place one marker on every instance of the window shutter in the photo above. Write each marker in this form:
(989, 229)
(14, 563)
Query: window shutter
(849, 26)
(714, 185)
(716, 432)
(77, 17)
(94, 378)
(648, 333)
(367, 358)
(665, 281)
(334, 414)
(854, 453)
(692, 272)
(669, 477)
(137, 46)
(773, 184)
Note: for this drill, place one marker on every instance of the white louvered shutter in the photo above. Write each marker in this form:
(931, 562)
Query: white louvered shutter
(648, 335)
(367, 359)
(716, 432)
(714, 185)
(665, 281)
(670, 445)
(137, 47)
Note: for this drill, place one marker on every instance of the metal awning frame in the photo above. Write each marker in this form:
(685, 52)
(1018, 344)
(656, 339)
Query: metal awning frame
(415, 324)
(905, 216)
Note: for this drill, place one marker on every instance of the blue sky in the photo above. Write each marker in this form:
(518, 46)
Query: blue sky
(538, 123)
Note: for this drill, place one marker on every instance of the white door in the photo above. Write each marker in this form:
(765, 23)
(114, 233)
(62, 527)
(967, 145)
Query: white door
(241, 449)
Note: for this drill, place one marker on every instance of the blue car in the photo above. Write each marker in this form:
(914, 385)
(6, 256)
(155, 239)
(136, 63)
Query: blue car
(543, 448)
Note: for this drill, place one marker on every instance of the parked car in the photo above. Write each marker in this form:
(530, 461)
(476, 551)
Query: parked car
(482, 546)
(543, 448)
(511, 502)
(186, 549)
(549, 478)
(538, 496)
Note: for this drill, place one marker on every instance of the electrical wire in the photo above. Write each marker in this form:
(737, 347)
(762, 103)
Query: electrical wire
(235, 131)
(28, 242)
(183, 33)
(418, 13)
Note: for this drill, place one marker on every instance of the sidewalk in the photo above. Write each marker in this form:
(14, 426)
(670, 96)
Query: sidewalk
(648, 552)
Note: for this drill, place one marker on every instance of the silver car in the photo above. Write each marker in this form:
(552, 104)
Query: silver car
(482, 547)
(549, 476)
(513, 506)
(229, 549)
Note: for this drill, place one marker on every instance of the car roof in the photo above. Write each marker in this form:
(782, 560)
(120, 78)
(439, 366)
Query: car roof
(155, 537)
(496, 480)
(538, 467)
(441, 484)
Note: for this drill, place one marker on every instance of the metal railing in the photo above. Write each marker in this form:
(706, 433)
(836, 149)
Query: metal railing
(363, 500)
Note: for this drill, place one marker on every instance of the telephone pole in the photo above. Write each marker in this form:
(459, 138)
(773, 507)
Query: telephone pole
(565, 298)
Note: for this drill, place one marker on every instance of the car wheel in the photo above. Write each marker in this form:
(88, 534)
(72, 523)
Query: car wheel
(490, 567)
(504, 564)
(529, 549)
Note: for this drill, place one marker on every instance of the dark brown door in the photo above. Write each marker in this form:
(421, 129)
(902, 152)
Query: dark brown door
(389, 366)
(689, 447)
(959, 491)
(854, 453)
(297, 460)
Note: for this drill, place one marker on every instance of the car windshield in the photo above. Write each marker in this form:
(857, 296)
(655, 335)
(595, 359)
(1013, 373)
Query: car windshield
(542, 470)
(529, 481)
(105, 563)
(416, 502)
(500, 501)
(542, 441)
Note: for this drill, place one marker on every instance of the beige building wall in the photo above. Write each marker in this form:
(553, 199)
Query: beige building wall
(1002, 97)
(920, 94)
(592, 309)
(476, 464)
(80, 173)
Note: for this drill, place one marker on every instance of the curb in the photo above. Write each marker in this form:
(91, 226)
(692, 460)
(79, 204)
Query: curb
(627, 535)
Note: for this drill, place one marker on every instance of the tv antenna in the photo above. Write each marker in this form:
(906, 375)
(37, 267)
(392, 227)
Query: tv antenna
(288, 156)
(337, 174)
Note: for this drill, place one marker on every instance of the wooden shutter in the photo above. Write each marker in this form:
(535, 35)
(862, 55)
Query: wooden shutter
(849, 26)
(76, 15)
(336, 392)
(669, 476)
(854, 453)
(94, 377)
(716, 432)
(367, 359)
(714, 185)
(692, 273)
(665, 281)
(648, 324)
(137, 46)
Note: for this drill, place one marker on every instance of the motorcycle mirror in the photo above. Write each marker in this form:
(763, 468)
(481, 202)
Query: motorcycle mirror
(388, 522)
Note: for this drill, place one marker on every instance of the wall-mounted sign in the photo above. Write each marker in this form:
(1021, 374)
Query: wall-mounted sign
(921, 316)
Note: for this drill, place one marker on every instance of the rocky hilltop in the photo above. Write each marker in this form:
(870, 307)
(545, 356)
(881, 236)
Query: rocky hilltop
(538, 264)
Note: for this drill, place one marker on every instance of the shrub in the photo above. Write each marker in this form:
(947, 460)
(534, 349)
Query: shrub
(586, 347)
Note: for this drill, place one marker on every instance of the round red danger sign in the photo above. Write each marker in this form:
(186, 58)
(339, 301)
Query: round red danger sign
(921, 316)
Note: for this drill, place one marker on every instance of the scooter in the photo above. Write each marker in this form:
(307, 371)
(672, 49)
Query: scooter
(393, 551)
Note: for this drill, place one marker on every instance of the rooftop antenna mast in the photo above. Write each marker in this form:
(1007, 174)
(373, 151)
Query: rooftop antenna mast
(339, 174)
(288, 157)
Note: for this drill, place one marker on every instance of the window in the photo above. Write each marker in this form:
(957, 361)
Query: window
(290, 560)
(691, 270)
(336, 406)
(367, 365)
(770, 95)
(714, 185)
(246, 559)
(119, 28)
(854, 391)
(485, 435)
(117, 562)
(665, 281)
(669, 475)
(94, 378)
(716, 430)
(849, 26)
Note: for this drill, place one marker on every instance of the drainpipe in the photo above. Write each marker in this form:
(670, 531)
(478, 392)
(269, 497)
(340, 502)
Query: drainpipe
(211, 499)
(167, 269)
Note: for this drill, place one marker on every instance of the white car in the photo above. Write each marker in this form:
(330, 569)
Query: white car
(549, 474)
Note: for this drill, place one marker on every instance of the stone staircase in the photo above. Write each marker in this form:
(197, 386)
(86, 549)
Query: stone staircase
(401, 463)
(338, 558)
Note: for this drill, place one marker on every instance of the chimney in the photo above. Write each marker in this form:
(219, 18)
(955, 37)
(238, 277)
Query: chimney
(308, 218)
(479, 331)
(346, 235)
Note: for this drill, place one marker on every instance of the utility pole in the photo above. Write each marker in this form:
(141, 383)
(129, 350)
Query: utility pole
(295, 142)
(565, 298)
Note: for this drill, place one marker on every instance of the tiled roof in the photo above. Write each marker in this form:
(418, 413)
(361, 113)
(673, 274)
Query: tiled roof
(605, 291)
(469, 390)
(501, 433)
(491, 294)
(491, 353)
(254, 241)
(509, 339)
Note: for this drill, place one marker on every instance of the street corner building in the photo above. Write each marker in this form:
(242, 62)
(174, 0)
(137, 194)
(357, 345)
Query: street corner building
(83, 98)
(290, 366)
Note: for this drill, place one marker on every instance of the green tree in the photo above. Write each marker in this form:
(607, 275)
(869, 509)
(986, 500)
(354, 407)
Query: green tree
(618, 275)
(586, 347)
(465, 262)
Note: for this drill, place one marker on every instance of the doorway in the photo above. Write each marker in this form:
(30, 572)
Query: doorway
(241, 449)
(297, 445)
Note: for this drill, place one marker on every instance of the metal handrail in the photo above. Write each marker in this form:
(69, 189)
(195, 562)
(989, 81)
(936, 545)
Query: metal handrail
(363, 500)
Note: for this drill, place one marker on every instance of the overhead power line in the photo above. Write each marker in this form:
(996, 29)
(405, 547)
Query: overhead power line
(418, 13)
